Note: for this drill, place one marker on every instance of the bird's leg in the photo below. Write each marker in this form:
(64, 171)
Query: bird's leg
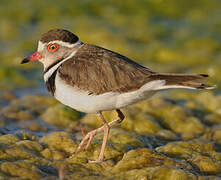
(119, 119)
(106, 127)
(106, 130)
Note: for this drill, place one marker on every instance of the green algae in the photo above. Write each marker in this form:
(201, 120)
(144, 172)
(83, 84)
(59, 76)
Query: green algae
(141, 158)
(12, 169)
(8, 139)
(60, 141)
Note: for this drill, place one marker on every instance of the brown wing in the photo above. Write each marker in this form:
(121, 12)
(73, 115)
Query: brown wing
(99, 70)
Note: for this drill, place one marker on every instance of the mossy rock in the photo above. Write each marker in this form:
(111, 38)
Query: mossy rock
(141, 158)
(14, 169)
(61, 141)
(8, 139)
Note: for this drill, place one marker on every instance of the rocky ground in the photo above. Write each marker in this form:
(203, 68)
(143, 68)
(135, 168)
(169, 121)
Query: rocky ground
(178, 137)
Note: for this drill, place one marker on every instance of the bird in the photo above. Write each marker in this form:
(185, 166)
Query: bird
(92, 79)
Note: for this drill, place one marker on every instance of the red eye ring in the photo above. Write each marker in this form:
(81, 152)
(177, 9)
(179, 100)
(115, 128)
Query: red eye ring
(53, 47)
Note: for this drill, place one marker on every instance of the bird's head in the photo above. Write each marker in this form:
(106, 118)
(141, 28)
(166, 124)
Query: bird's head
(54, 45)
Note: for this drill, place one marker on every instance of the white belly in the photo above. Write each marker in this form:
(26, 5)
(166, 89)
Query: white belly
(81, 101)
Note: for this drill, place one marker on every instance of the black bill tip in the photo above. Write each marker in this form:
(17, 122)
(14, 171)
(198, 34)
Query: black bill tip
(204, 75)
(26, 60)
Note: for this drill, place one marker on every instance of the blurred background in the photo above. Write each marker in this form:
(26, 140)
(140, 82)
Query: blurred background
(164, 35)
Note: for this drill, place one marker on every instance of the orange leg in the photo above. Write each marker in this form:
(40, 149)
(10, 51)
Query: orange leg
(106, 129)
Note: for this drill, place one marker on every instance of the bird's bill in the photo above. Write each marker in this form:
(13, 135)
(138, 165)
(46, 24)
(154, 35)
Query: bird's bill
(35, 56)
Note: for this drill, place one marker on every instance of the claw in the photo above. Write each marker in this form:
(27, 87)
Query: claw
(89, 143)
(88, 139)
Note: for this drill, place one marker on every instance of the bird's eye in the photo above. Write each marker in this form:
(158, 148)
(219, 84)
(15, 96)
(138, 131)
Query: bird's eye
(53, 47)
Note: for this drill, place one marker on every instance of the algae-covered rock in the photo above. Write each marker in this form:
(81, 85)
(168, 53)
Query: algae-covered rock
(60, 115)
(59, 141)
(167, 135)
(140, 158)
(213, 118)
(122, 137)
(179, 120)
(140, 122)
(200, 154)
(8, 139)
(30, 145)
(15, 170)
(52, 154)
(207, 164)
(186, 149)
(169, 173)
(157, 173)
(20, 153)
(213, 134)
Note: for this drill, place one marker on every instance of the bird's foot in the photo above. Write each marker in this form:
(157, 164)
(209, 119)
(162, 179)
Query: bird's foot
(88, 139)
(96, 161)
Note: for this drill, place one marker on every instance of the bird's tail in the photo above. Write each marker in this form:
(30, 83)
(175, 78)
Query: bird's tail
(186, 81)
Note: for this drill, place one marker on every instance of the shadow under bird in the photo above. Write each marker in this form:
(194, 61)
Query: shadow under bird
(92, 79)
